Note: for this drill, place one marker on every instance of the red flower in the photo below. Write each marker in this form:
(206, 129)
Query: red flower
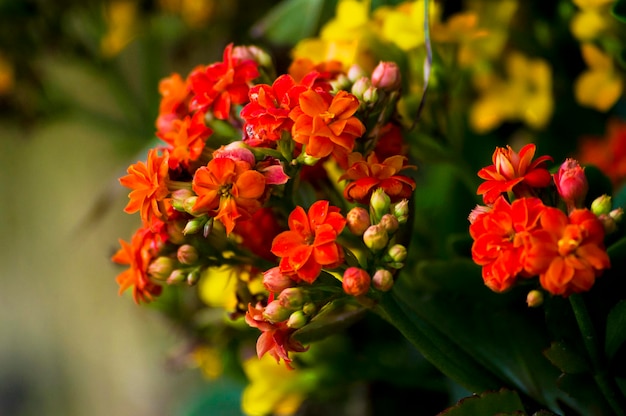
(258, 231)
(608, 153)
(174, 105)
(499, 240)
(513, 172)
(275, 338)
(326, 124)
(568, 253)
(222, 84)
(142, 249)
(149, 188)
(228, 189)
(186, 140)
(310, 242)
(366, 175)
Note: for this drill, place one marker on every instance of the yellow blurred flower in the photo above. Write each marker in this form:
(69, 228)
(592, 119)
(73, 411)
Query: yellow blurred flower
(7, 75)
(525, 95)
(600, 86)
(273, 388)
(404, 25)
(209, 361)
(219, 287)
(195, 13)
(121, 21)
(592, 19)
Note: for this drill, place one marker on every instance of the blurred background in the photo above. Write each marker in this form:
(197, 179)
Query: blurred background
(78, 100)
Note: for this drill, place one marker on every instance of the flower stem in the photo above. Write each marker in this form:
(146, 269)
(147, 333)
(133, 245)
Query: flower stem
(436, 347)
(605, 383)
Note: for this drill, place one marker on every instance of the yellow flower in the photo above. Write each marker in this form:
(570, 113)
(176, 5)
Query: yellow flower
(404, 25)
(218, 287)
(121, 18)
(526, 95)
(209, 361)
(195, 13)
(600, 86)
(592, 19)
(273, 389)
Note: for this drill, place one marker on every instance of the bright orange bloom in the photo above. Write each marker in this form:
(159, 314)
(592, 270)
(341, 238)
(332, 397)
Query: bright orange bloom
(275, 338)
(149, 188)
(228, 189)
(175, 95)
(607, 153)
(367, 175)
(499, 240)
(142, 249)
(568, 253)
(326, 124)
(310, 242)
(186, 140)
(513, 172)
(301, 68)
(222, 84)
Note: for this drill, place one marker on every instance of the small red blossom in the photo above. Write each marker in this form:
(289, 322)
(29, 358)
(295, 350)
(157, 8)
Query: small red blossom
(608, 152)
(499, 240)
(310, 243)
(149, 187)
(275, 338)
(175, 96)
(220, 85)
(325, 123)
(367, 175)
(186, 140)
(513, 172)
(229, 190)
(568, 253)
(257, 232)
(138, 254)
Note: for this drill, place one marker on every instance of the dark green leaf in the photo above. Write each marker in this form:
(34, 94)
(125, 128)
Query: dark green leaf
(615, 324)
(334, 318)
(585, 392)
(285, 25)
(503, 402)
(566, 359)
(619, 10)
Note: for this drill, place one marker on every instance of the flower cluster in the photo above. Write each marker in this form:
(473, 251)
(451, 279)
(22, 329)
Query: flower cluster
(517, 235)
(298, 182)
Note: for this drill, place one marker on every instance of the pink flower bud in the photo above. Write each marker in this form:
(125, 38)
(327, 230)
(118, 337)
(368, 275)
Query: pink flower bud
(386, 75)
(390, 223)
(375, 237)
(187, 254)
(401, 211)
(382, 280)
(161, 267)
(360, 86)
(275, 312)
(358, 220)
(571, 183)
(274, 281)
(356, 281)
(292, 298)
(477, 212)
(235, 151)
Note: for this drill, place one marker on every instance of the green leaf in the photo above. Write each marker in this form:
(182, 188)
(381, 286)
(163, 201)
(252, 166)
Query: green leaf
(566, 359)
(617, 250)
(615, 334)
(503, 402)
(586, 393)
(335, 317)
(285, 25)
(619, 10)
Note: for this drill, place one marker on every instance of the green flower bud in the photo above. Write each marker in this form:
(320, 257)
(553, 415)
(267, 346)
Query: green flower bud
(177, 276)
(309, 308)
(397, 253)
(375, 237)
(297, 320)
(379, 205)
(189, 203)
(276, 312)
(390, 223)
(161, 267)
(401, 211)
(601, 205)
(370, 95)
(194, 225)
(534, 298)
(292, 298)
(193, 277)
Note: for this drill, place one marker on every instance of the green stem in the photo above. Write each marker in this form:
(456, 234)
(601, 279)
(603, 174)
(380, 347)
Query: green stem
(437, 348)
(605, 383)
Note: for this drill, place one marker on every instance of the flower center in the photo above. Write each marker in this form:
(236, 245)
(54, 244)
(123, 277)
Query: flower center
(327, 116)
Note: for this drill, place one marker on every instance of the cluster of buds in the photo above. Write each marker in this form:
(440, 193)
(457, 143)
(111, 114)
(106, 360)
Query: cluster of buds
(521, 232)
(224, 188)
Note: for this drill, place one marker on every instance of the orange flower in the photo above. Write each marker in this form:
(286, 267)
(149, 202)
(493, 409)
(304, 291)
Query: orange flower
(275, 338)
(499, 240)
(186, 140)
(326, 124)
(310, 242)
(149, 188)
(138, 254)
(366, 175)
(228, 189)
(175, 96)
(222, 84)
(513, 172)
(568, 254)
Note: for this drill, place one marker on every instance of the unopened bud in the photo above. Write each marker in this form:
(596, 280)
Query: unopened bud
(360, 86)
(178, 198)
(194, 225)
(386, 76)
(275, 281)
(534, 298)
(617, 214)
(379, 205)
(355, 72)
(370, 95)
(309, 308)
(188, 205)
(193, 277)
(177, 276)
(252, 52)
(187, 254)
(401, 211)
(571, 183)
(161, 267)
(375, 237)
(275, 312)
(397, 253)
(358, 219)
(390, 223)
(297, 320)
(382, 280)
(292, 298)
(356, 281)
(477, 212)
(601, 205)
(340, 83)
